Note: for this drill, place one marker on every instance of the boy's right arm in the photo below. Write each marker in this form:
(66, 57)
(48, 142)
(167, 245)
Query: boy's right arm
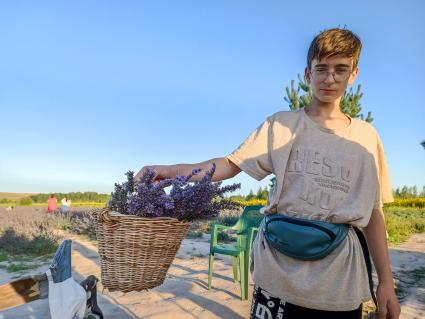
(224, 169)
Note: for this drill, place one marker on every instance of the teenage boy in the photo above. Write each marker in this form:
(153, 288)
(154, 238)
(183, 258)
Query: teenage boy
(328, 167)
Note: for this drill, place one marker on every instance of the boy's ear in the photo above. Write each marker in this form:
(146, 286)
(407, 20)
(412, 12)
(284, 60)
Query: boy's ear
(307, 74)
(353, 76)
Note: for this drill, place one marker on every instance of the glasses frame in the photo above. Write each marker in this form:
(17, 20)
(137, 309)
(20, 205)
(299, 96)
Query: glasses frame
(326, 73)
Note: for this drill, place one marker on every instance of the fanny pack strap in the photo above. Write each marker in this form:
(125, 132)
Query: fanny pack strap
(368, 262)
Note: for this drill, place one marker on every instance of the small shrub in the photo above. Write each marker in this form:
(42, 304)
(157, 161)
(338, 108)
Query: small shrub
(13, 243)
(402, 222)
(225, 237)
(227, 220)
(202, 226)
(192, 234)
(198, 255)
(43, 245)
(407, 202)
(18, 267)
(3, 256)
(25, 201)
(420, 226)
(7, 201)
(82, 223)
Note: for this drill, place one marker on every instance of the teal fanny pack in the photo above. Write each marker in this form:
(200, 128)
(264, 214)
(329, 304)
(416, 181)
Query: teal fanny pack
(303, 238)
(307, 239)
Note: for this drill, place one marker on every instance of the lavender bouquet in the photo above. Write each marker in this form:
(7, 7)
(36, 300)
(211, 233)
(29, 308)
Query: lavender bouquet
(186, 201)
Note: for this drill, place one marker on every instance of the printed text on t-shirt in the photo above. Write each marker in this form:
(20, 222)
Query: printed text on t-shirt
(319, 174)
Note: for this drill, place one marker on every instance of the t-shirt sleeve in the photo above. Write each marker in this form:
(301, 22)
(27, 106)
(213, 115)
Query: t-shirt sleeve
(384, 193)
(253, 155)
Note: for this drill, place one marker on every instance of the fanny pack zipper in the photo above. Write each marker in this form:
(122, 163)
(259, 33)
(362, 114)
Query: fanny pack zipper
(303, 223)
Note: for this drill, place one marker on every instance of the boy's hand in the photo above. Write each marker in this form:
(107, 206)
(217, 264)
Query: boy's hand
(388, 306)
(161, 172)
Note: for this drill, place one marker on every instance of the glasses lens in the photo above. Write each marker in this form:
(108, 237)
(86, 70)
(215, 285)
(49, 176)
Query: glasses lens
(338, 75)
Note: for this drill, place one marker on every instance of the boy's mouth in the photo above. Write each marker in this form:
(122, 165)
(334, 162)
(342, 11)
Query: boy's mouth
(328, 90)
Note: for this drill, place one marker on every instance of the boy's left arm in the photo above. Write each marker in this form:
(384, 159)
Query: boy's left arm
(375, 233)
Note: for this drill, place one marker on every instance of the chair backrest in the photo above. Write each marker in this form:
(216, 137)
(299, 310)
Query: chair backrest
(250, 217)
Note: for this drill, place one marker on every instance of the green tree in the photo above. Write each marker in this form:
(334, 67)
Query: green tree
(408, 192)
(259, 191)
(404, 191)
(396, 193)
(74, 196)
(350, 101)
(262, 193)
(250, 195)
(423, 143)
(422, 194)
(414, 191)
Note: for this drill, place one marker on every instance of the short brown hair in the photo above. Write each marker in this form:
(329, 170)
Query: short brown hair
(334, 42)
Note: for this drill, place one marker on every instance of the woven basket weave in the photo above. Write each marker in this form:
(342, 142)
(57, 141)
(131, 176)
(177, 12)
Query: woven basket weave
(135, 252)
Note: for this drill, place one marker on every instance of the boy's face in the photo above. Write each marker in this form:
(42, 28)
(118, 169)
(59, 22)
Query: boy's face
(329, 77)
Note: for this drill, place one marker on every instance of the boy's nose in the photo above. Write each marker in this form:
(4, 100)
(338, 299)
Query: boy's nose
(330, 78)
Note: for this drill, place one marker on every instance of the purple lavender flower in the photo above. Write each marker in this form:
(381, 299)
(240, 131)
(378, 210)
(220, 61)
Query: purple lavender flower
(185, 201)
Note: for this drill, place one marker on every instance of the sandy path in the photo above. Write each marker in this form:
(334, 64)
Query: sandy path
(408, 265)
(184, 294)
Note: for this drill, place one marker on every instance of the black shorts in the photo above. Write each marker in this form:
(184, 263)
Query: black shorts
(265, 306)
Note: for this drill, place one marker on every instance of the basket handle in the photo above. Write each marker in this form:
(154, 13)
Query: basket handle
(106, 218)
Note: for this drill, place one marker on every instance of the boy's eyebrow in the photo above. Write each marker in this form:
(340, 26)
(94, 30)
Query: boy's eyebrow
(340, 65)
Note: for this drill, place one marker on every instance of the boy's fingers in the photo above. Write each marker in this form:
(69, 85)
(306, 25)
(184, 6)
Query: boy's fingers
(143, 171)
(382, 310)
(156, 177)
(140, 173)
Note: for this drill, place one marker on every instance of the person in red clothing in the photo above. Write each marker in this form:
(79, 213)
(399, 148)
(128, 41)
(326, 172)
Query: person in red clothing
(52, 204)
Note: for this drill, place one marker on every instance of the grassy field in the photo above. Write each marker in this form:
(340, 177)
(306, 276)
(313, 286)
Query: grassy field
(22, 199)
(402, 222)
(14, 196)
(74, 204)
(27, 238)
(29, 234)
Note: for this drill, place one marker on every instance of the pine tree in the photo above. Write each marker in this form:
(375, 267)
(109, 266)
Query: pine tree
(350, 101)
(397, 192)
(404, 191)
(260, 190)
(414, 191)
(265, 193)
(422, 194)
(250, 195)
(423, 143)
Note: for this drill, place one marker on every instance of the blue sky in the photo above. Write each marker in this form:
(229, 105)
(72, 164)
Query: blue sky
(91, 89)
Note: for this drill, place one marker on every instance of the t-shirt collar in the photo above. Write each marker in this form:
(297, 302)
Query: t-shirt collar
(325, 129)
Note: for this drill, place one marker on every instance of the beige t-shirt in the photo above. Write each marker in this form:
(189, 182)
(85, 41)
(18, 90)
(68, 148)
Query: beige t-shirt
(336, 176)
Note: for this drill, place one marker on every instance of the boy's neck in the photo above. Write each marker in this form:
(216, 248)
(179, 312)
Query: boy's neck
(324, 110)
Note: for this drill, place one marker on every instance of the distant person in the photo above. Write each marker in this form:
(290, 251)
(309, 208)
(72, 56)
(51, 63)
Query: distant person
(52, 204)
(66, 204)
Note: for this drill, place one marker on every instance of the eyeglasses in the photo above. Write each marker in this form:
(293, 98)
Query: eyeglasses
(339, 75)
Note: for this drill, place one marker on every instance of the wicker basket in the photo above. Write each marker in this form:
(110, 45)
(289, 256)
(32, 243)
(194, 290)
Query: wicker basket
(136, 252)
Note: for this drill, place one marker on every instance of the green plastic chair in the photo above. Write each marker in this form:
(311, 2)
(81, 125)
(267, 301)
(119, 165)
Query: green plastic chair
(246, 229)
